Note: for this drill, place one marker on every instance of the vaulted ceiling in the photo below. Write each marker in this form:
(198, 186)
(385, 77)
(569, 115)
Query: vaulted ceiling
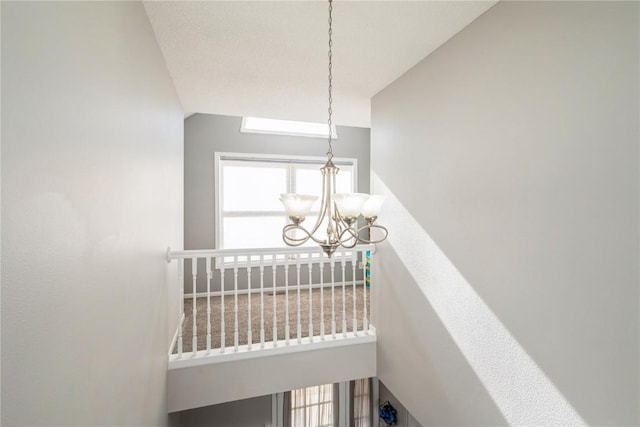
(269, 58)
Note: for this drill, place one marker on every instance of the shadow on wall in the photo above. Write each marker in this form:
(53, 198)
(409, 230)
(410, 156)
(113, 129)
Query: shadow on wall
(433, 287)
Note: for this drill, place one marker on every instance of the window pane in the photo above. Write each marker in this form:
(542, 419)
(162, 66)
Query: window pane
(343, 180)
(308, 223)
(312, 406)
(252, 232)
(287, 127)
(253, 188)
(308, 180)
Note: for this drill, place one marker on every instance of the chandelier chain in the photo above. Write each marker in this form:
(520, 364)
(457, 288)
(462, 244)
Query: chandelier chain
(330, 110)
(339, 213)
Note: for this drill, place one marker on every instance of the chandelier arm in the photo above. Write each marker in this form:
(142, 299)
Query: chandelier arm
(352, 238)
(321, 215)
(369, 227)
(346, 228)
(292, 241)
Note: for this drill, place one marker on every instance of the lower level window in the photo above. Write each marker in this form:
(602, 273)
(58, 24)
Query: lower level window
(362, 402)
(312, 406)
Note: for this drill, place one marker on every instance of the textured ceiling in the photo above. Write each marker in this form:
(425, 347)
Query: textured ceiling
(269, 59)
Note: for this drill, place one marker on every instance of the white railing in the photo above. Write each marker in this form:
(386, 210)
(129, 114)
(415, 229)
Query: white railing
(243, 301)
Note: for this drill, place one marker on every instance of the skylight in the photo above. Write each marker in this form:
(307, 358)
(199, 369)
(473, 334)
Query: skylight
(287, 127)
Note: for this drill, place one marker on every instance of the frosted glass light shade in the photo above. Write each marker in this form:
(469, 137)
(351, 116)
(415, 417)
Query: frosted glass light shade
(297, 205)
(349, 204)
(372, 206)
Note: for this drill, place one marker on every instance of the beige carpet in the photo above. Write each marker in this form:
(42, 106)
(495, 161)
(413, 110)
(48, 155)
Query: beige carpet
(243, 316)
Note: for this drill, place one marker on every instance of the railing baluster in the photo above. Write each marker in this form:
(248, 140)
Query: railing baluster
(344, 297)
(286, 299)
(249, 337)
(275, 304)
(322, 297)
(310, 269)
(223, 325)
(365, 320)
(180, 305)
(194, 310)
(299, 325)
(354, 261)
(208, 263)
(333, 298)
(261, 301)
(235, 303)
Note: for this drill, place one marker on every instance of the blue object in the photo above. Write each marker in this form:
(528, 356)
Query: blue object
(388, 414)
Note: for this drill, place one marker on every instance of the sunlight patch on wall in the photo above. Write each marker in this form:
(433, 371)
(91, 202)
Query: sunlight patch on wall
(521, 391)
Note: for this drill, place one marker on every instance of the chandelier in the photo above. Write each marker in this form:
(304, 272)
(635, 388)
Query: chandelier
(339, 212)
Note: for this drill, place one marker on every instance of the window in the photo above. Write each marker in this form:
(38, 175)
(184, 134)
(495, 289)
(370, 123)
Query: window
(362, 402)
(312, 406)
(248, 210)
(345, 404)
(286, 127)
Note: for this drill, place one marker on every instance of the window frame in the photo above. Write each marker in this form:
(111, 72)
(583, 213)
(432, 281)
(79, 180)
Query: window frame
(276, 158)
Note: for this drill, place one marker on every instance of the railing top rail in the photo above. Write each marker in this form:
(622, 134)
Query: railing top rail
(218, 253)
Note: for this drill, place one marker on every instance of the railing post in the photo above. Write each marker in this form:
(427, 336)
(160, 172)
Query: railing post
(299, 324)
(354, 261)
(322, 297)
(261, 301)
(194, 274)
(310, 267)
(208, 263)
(344, 297)
(333, 297)
(180, 304)
(371, 259)
(286, 299)
(249, 337)
(235, 303)
(365, 320)
(223, 324)
(275, 304)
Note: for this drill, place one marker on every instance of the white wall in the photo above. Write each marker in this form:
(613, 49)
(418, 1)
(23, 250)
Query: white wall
(91, 197)
(513, 150)
(210, 384)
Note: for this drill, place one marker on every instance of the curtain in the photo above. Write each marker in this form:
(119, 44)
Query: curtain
(312, 406)
(361, 406)
(286, 409)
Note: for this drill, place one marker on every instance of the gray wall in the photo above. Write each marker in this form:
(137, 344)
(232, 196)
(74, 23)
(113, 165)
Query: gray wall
(514, 147)
(206, 134)
(91, 196)
(255, 412)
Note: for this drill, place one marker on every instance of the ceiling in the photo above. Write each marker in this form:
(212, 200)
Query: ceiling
(269, 58)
